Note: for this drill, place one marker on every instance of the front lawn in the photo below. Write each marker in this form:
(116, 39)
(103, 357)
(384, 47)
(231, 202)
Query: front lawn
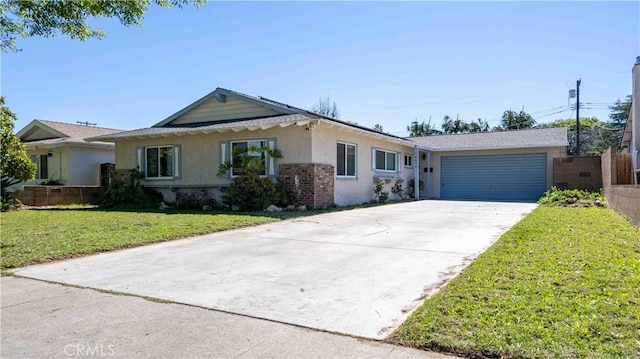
(562, 283)
(34, 236)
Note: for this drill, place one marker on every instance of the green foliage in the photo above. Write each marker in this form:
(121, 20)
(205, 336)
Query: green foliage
(562, 283)
(132, 194)
(378, 128)
(411, 188)
(249, 163)
(381, 195)
(572, 197)
(595, 136)
(512, 120)
(252, 192)
(195, 200)
(48, 18)
(419, 129)
(15, 164)
(397, 189)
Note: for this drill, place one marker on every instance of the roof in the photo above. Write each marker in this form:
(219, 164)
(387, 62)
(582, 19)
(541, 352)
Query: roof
(538, 137)
(265, 123)
(625, 141)
(163, 127)
(60, 133)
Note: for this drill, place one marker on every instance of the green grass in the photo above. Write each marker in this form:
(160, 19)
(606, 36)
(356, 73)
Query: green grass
(562, 283)
(35, 236)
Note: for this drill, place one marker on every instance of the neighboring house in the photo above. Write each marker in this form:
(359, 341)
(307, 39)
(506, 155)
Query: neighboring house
(631, 137)
(325, 160)
(62, 154)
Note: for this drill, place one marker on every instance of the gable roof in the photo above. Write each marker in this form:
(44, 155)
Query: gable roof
(54, 133)
(538, 137)
(166, 128)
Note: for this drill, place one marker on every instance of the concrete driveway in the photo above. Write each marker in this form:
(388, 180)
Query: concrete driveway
(358, 272)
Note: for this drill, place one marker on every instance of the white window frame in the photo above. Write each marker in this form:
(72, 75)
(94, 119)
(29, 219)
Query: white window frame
(386, 152)
(263, 143)
(410, 157)
(346, 162)
(173, 163)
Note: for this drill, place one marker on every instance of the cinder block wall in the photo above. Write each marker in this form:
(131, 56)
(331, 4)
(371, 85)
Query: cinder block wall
(625, 200)
(577, 173)
(57, 195)
(313, 183)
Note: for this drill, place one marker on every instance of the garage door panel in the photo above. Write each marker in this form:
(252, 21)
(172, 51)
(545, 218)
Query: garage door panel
(514, 177)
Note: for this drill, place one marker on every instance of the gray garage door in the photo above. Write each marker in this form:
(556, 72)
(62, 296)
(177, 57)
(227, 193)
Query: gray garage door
(516, 177)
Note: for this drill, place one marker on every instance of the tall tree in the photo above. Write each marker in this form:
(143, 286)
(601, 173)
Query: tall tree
(595, 136)
(378, 128)
(326, 107)
(618, 117)
(512, 120)
(479, 126)
(452, 126)
(48, 18)
(15, 164)
(419, 129)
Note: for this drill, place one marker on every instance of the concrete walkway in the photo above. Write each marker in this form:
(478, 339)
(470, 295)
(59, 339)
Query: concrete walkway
(43, 320)
(358, 272)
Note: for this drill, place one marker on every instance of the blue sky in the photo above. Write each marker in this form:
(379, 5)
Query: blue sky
(381, 62)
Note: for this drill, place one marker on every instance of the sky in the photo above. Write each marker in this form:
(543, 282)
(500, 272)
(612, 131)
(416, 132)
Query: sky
(385, 63)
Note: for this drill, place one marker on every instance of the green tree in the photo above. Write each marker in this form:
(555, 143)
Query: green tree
(48, 18)
(479, 126)
(419, 129)
(15, 164)
(618, 118)
(595, 136)
(452, 126)
(378, 128)
(512, 120)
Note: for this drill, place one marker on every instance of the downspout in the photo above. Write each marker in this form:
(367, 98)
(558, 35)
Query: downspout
(416, 173)
(428, 183)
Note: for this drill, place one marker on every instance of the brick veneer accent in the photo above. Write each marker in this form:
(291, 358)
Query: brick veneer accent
(313, 183)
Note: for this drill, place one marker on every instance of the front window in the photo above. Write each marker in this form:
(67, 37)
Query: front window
(249, 148)
(42, 161)
(385, 160)
(408, 161)
(159, 162)
(346, 160)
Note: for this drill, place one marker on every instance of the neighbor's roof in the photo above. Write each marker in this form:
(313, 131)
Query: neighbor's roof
(539, 137)
(62, 133)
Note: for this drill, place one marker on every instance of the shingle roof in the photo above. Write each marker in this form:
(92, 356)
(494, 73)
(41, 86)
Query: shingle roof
(539, 137)
(68, 132)
(260, 123)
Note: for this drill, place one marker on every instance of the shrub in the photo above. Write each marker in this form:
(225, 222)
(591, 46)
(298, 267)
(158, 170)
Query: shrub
(381, 195)
(195, 200)
(572, 198)
(252, 192)
(397, 189)
(130, 195)
(411, 185)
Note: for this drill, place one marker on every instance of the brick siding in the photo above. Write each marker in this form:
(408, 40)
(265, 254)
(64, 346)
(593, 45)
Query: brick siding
(312, 183)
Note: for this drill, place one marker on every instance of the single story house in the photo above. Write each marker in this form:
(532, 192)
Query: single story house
(62, 153)
(325, 160)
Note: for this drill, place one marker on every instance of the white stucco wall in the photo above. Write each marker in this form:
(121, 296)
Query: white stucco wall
(85, 165)
(433, 189)
(359, 190)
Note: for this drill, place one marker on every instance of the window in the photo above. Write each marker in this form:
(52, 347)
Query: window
(408, 161)
(42, 161)
(385, 160)
(346, 160)
(241, 147)
(159, 162)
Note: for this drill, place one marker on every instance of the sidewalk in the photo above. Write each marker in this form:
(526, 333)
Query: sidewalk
(49, 320)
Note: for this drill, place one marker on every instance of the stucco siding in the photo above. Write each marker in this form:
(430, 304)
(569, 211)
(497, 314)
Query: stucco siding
(433, 181)
(85, 170)
(212, 110)
(360, 189)
(200, 154)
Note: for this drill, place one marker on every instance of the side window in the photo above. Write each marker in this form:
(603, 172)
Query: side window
(42, 161)
(159, 162)
(408, 161)
(346, 160)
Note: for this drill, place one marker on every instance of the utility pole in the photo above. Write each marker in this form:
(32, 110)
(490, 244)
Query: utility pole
(578, 117)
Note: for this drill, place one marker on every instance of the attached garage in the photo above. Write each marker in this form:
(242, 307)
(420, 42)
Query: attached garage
(510, 177)
(490, 166)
